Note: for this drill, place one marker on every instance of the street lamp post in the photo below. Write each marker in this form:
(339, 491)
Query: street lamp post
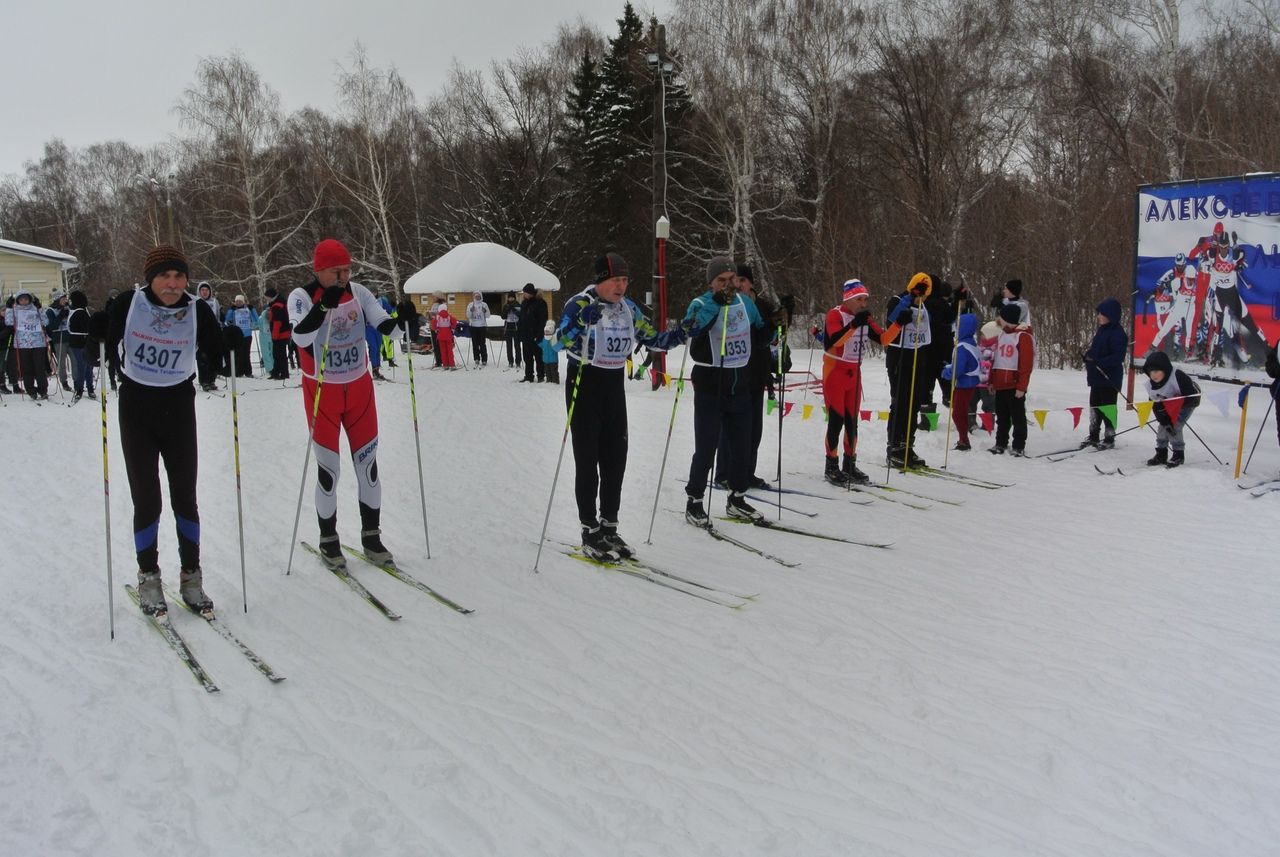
(662, 66)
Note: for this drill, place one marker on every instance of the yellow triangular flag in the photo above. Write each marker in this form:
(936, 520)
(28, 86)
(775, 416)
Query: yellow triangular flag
(808, 409)
(884, 415)
(1144, 412)
(1040, 415)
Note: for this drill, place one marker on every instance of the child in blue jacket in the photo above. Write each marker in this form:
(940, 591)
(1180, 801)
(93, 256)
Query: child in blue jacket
(1104, 368)
(968, 375)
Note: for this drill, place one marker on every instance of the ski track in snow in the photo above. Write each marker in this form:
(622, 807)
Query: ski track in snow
(1073, 665)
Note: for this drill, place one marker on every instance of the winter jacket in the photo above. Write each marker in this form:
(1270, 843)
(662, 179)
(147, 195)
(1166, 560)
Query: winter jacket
(478, 315)
(78, 321)
(55, 323)
(568, 335)
(1104, 361)
(968, 365)
(1176, 385)
(533, 318)
(1015, 357)
(278, 314)
(245, 318)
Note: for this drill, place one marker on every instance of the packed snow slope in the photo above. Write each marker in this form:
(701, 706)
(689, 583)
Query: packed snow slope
(1075, 665)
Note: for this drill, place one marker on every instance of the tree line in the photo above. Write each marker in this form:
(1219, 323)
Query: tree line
(979, 140)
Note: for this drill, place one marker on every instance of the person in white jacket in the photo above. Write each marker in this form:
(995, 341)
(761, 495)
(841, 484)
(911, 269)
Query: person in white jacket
(478, 320)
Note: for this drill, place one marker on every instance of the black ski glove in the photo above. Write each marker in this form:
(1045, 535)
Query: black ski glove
(332, 295)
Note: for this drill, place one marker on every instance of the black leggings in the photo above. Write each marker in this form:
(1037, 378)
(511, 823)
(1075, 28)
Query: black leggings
(153, 427)
(599, 429)
(721, 428)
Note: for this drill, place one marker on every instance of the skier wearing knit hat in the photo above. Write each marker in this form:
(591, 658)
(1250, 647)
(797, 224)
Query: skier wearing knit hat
(849, 329)
(329, 315)
(903, 356)
(158, 328)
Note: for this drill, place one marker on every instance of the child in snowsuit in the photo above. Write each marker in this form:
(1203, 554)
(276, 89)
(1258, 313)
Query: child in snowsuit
(1104, 368)
(1176, 398)
(968, 375)
(443, 323)
(1011, 367)
(549, 355)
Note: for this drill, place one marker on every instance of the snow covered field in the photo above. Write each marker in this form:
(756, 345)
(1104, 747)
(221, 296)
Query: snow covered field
(1075, 665)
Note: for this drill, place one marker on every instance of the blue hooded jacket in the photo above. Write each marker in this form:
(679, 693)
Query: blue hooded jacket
(966, 366)
(1104, 361)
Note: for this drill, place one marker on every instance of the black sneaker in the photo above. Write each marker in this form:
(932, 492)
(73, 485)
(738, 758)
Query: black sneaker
(371, 544)
(738, 507)
(331, 553)
(695, 514)
(596, 546)
(621, 548)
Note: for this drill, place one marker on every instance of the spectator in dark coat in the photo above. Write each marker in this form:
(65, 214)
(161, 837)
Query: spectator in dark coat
(1104, 372)
(533, 319)
(281, 333)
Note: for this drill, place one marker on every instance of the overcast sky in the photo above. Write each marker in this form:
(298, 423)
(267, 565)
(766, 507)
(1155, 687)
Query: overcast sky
(88, 71)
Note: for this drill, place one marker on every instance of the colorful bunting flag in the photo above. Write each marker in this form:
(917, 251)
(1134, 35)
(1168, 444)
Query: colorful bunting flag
(987, 420)
(1244, 394)
(1075, 416)
(768, 409)
(1173, 407)
(807, 412)
(1110, 412)
(786, 409)
(1040, 415)
(1144, 411)
(1222, 399)
(884, 416)
(866, 416)
(932, 417)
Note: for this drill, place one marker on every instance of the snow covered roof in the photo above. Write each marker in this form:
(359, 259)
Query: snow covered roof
(481, 267)
(39, 253)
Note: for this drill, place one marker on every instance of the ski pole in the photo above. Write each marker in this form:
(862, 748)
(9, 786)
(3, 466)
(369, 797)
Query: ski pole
(311, 438)
(1259, 435)
(951, 399)
(106, 487)
(666, 447)
(417, 441)
(555, 479)
(1185, 425)
(235, 442)
(782, 406)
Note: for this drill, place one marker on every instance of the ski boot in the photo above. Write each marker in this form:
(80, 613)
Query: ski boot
(915, 461)
(738, 507)
(832, 473)
(1176, 459)
(374, 549)
(758, 483)
(896, 456)
(961, 446)
(720, 484)
(151, 594)
(595, 545)
(331, 553)
(191, 588)
(1018, 452)
(1108, 441)
(1160, 458)
(610, 531)
(852, 473)
(378, 376)
(695, 514)
(997, 450)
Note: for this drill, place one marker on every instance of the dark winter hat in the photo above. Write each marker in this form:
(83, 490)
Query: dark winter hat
(330, 253)
(164, 258)
(78, 299)
(1157, 360)
(747, 274)
(720, 265)
(1011, 313)
(1111, 309)
(1014, 287)
(610, 265)
(529, 289)
(271, 292)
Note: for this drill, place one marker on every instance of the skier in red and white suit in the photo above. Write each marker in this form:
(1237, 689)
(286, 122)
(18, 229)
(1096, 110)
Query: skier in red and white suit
(329, 315)
(1177, 291)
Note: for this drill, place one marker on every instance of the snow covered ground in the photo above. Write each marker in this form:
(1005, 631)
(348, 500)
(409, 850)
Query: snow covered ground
(1078, 664)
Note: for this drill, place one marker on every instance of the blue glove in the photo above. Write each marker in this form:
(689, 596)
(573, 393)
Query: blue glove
(590, 313)
(668, 339)
(904, 305)
(946, 372)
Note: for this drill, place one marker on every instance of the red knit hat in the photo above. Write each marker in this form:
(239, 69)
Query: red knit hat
(330, 254)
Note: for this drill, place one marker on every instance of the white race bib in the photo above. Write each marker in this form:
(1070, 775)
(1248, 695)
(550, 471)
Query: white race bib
(159, 342)
(615, 336)
(28, 332)
(346, 358)
(730, 336)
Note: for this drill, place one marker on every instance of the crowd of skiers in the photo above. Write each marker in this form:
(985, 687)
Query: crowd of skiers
(159, 337)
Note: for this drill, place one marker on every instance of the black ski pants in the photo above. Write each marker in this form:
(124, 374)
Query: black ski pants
(1011, 413)
(721, 414)
(157, 426)
(533, 359)
(904, 409)
(724, 454)
(599, 427)
(33, 366)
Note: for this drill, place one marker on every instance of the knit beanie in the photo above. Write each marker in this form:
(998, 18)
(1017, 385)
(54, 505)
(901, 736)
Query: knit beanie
(720, 265)
(330, 254)
(853, 288)
(161, 259)
(610, 265)
(1014, 287)
(1011, 313)
(747, 274)
(529, 289)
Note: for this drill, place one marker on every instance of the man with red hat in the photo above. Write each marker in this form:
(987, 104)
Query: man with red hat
(848, 330)
(329, 315)
(158, 329)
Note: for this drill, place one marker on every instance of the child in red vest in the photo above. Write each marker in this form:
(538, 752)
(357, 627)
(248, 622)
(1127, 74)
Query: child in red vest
(1015, 356)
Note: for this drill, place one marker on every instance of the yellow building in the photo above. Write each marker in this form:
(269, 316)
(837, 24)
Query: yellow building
(35, 269)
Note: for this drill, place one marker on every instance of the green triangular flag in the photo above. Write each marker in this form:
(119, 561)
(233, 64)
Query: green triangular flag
(932, 417)
(768, 409)
(1108, 411)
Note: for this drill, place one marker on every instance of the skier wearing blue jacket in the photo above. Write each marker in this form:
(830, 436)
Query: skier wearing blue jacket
(1104, 372)
(245, 318)
(967, 371)
(720, 322)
